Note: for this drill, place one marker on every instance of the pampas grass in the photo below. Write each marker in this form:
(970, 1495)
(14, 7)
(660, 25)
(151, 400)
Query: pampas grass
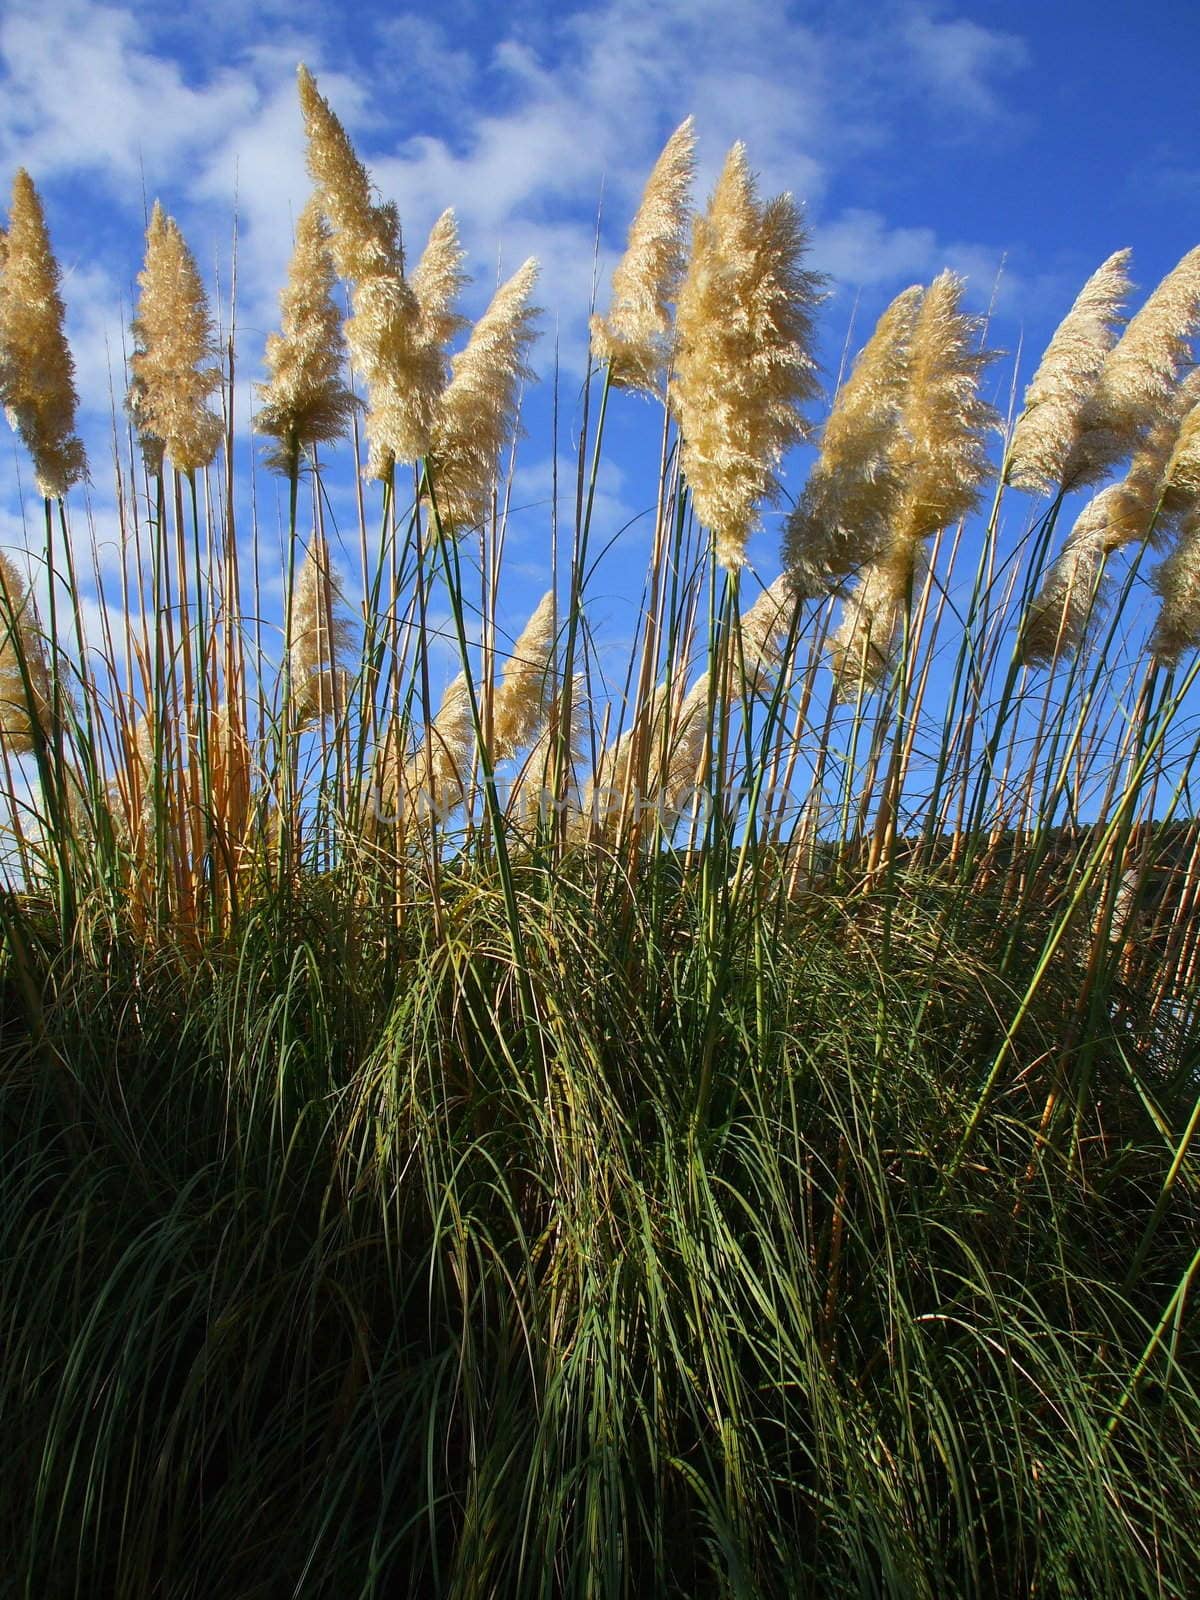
(495, 1107)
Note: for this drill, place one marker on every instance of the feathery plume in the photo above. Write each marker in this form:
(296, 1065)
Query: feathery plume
(1181, 479)
(1177, 580)
(844, 516)
(24, 674)
(404, 375)
(365, 242)
(531, 794)
(863, 646)
(1138, 509)
(742, 365)
(1057, 619)
(320, 636)
(37, 374)
(687, 753)
(437, 281)
(435, 776)
(765, 626)
(477, 415)
(1138, 377)
(635, 337)
(526, 685)
(305, 402)
(1048, 427)
(172, 361)
(939, 457)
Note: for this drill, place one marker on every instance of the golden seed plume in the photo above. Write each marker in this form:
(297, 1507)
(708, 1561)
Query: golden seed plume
(1139, 376)
(532, 791)
(526, 685)
(1057, 619)
(403, 373)
(305, 402)
(939, 457)
(1181, 478)
(765, 626)
(1142, 507)
(845, 514)
(863, 646)
(435, 775)
(320, 636)
(26, 691)
(172, 362)
(635, 337)
(365, 242)
(37, 374)
(1177, 580)
(437, 281)
(742, 364)
(1048, 428)
(477, 415)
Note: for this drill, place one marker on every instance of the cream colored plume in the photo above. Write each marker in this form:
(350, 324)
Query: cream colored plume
(305, 402)
(320, 637)
(1048, 427)
(37, 374)
(24, 673)
(940, 456)
(1057, 620)
(526, 685)
(1140, 508)
(435, 776)
(1139, 376)
(536, 776)
(635, 338)
(765, 626)
(172, 362)
(437, 281)
(1181, 478)
(365, 242)
(844, 516)
(742, 363)
(403, 373)
(940, 460)
(478, 411)
(864, 645)
(1177, 580)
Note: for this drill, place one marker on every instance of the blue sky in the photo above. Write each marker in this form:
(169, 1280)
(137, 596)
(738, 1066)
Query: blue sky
(1031, 137)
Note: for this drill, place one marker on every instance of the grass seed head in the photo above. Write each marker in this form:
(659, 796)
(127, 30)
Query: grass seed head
(478, 412)
(173, 366)
(37, 374)
(526, 684)
(1048, 427)
(845, 514)
(635, 338)
(743, 365)
(1139, 377)
(320, 638)
(24, 674)
(305, 402)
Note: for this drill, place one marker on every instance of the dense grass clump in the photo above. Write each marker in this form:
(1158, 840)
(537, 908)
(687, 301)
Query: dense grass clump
(345, 1276)
(717, 1121)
